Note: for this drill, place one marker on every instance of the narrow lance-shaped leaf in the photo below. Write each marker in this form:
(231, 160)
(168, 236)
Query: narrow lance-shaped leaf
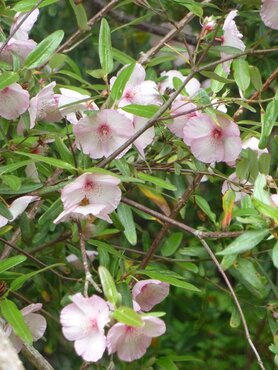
(268, 120)
(126, 218)
(245, 242)
(4, 211)
(241, 73)
(121, 81)
(44, 50)
(128, 316)
(11, 262)
(8, 78)
(228, 201)
(15, 318)
(105, 47)
(108, 286)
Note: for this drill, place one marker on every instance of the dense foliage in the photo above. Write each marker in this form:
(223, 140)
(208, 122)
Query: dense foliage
(138, 183)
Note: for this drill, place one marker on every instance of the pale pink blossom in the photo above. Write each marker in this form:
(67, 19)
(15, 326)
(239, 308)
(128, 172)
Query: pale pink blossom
(23, 32)
(14, 101)
(167, 84)
(178, 123)
(269, 13)
(209, 23)
(210, 142)
(146, 138)
(35, 322)
(137, 90)
(253, 144)
(90, 194)
(150, 292)
(231, 37)
(21, 48)
(42, 104)
(20, 44)
(102, 133)
(71, 102)
(131, 343)
(17, 207)
(83, 322)
(241, 190)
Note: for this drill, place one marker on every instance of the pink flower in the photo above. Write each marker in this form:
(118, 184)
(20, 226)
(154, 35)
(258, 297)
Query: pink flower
(71, 101)
(35, 322)
(231, 37)
(23, 32)
(167, 83)
(83, 322)
(181, 107)
(131, 343)
(137, 90)
(269, 13)
(90, 194)
(210, 142)
(148, 293)
(42, 104)
(17, 207)
(14, 101)
(146, 138)
(21, 48)
(101, 134)
(75, 261)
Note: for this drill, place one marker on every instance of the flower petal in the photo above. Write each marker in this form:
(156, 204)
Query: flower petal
(14, 101)
(91, 347)
(150, 292)
(269, 13)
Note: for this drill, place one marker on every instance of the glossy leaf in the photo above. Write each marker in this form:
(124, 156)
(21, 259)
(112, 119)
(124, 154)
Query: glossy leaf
(128, 316)
(105, 47)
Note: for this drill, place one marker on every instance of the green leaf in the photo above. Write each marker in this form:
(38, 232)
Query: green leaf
(265, 209)
(121, 81)
(8, 78)
(108, 286)
(146, 111)
(51, 213)
(5, 212)
(14, 166)
(241, 73)
(171, 244)
(15, 318)
(192, 6)
(268, 120)
(245, 242)
(126, 218)
(165, 363)
(216, 77)
(235, 318)
(51, 161)
(26, 5)
(11, 262)
(80, 15)
(205, 207)
(170, 280)
(44, 50)
(128, 316)
(64, 151)
(12, 181)
(105, 47)
(256, 78)
(157, 181)
(216, 86)
(121, 57)
(18, 283)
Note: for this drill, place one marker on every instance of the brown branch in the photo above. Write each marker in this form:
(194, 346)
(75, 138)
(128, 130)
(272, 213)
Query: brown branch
(35, 260)
(180, 225)
(67, 46)
(35, 358)
(200, 235)
(152, 28)
(180, 204)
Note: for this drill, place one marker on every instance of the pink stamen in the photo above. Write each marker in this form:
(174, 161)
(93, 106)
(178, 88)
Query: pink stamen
(104, 130)
(217, 133)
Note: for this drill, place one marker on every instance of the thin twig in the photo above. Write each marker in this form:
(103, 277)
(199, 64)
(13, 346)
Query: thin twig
(35, 358)
(69, 44)
(180, 204)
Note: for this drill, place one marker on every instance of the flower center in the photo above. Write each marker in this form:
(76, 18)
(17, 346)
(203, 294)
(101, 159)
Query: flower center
(216, 133)
(93, 324)
(129, 95)
(89, 185)
(129, 329)
(104, 130)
